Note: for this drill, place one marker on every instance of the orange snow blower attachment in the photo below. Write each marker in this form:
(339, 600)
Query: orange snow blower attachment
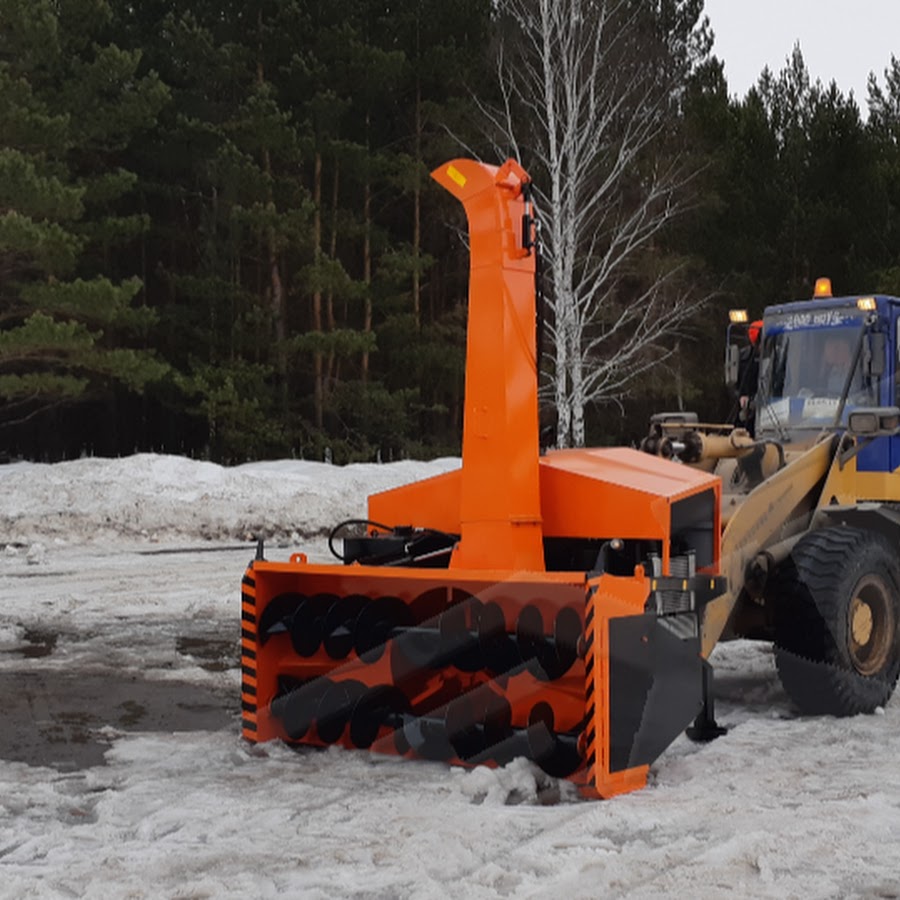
(522, 605)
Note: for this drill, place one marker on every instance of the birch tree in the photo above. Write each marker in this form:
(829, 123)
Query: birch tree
(589, 89)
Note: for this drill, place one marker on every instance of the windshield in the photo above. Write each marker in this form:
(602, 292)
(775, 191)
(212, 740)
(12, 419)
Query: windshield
(803, 373)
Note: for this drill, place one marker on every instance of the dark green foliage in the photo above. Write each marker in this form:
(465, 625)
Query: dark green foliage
(218, 235)
(70, 102)
(793, 190)
(796, 185)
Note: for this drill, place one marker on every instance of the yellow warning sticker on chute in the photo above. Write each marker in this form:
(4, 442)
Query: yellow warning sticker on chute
(455, 175)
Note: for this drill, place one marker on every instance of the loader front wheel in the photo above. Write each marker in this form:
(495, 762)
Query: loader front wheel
(837, 622)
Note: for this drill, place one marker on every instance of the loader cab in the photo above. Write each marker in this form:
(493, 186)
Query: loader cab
(823, 358)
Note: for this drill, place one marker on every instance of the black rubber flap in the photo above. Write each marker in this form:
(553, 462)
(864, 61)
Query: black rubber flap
(655, 685)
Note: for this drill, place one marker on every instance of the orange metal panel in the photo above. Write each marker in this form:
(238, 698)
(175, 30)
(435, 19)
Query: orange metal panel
(500, 514)
(348, 578)
(617, 492)
(431, 503)
(632, 469)
(626, 599)
(580, 504)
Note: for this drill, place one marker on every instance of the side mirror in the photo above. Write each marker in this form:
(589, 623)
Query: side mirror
(874, 421)
(732, 365)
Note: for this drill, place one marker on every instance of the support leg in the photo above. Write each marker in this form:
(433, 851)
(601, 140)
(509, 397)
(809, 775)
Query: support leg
(705, 727)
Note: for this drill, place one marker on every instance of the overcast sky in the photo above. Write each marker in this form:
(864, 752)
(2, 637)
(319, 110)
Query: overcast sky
(840, 40)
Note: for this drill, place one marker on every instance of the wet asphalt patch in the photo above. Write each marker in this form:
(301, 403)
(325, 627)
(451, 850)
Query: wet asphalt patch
(66, 718)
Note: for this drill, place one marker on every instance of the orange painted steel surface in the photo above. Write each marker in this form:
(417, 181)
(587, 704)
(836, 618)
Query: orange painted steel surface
(607, 598)
(431, 684)
(499, 507)
(430, 503)
(613, 492)
(604, 492)
(493, 656)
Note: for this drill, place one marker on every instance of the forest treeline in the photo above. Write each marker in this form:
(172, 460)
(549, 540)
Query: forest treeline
(218, 236)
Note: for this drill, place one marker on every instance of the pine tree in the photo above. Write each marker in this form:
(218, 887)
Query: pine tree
(883, 137)
(293, 223)
(70, 102)
(223, 179)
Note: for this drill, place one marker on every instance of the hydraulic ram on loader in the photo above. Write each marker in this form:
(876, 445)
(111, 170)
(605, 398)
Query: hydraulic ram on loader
(523, 605)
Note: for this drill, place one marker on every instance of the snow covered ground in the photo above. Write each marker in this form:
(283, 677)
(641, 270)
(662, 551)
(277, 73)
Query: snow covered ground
(123, 774)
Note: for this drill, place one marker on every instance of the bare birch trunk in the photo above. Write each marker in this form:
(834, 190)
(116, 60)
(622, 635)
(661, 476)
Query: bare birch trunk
(579, 401)
(597, 107)
(318, 356)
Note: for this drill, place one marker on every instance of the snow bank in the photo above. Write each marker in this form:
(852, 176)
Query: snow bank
(123, 773)
(157, 497)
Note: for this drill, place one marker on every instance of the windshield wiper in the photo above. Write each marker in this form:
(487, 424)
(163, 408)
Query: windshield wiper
(857, 353)
(764, 390)
(773, 418)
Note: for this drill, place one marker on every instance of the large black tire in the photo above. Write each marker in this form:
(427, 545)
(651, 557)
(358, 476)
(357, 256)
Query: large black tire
(837, 622)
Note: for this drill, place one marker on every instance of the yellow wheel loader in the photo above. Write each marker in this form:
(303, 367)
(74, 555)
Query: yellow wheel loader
(810, 500)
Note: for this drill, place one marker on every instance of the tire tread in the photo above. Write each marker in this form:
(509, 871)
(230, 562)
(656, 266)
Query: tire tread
(810, 652)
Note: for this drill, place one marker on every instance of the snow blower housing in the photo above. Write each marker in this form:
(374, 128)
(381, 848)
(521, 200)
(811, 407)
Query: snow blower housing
(545, 606)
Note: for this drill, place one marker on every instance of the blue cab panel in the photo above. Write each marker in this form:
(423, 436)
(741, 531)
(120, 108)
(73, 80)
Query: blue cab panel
(883, 454)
